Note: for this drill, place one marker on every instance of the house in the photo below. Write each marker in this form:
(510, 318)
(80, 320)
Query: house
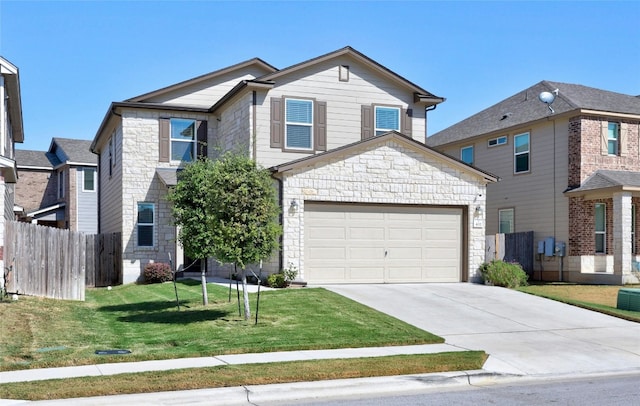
(11, 131)
(58, 187)
(363, 198)
(568, 157)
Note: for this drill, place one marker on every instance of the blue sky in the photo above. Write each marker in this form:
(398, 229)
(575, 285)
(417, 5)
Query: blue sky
(76, 57)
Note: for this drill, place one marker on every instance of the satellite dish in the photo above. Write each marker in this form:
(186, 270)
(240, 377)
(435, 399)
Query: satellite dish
(548, 98)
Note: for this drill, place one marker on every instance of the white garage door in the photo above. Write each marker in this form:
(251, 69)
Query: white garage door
(349, 243)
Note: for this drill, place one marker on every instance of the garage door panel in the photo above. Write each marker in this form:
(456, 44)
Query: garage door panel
(422, 243)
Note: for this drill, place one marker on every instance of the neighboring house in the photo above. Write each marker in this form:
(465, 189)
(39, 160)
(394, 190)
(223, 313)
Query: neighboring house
(363, 199)
(11, 131)
(570, 172)
(59, 188)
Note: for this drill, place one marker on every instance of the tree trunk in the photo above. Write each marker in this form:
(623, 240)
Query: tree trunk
(203, 278)
(245, 295)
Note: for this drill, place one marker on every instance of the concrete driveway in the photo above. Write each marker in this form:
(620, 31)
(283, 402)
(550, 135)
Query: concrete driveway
(524, 334)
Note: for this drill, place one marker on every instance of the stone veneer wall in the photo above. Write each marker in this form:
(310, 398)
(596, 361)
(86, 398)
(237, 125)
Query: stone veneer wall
(390, 173)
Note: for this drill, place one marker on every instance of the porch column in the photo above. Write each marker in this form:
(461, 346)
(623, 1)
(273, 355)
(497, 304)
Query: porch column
(622, 234)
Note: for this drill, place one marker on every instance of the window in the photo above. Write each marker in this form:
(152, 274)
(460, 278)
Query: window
(145, 224)
(521, 153)
(89, 180)
(613, 130)
(387, 119)
(183, 139)
(505, 221)
(60, 184)
(298, 124)
(600, 217)
(497, 141)
(466, 155)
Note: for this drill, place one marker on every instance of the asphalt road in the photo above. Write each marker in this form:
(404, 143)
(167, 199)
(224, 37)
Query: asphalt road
(596, 391)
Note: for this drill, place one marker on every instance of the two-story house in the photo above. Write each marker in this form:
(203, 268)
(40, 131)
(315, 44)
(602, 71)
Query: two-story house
(363, 198)
(569, 163)
(58, 187)
(11, 131)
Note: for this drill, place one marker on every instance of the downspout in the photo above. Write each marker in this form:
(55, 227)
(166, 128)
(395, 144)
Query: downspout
(281, 218)
(99, 192)
(426, 110)
(254, 102)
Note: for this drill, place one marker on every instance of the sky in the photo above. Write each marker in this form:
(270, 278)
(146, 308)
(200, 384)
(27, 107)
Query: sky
(76, 57)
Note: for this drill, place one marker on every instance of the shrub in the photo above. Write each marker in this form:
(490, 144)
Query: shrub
(506, 274)
(276, 280)
(157, 272)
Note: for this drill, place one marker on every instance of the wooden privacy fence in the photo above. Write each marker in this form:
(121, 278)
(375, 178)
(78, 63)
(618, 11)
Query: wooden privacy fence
(57, 263)
(511, 247)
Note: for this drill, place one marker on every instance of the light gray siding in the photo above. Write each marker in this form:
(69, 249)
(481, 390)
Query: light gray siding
(110, 185)
(87, 202)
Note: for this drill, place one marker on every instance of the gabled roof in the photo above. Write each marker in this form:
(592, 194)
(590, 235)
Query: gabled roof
(76, 151)
(524, 107)
(381, 139)
(608, 181)
(421, 94)
(61, 151)
(190, 82)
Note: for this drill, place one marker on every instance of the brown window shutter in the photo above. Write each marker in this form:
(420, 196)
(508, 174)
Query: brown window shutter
(367, 122)
(604, 138)
(277, 122)
(164, 147)
(320, 126)
(406, 121)
(623, 139)
(201, 145)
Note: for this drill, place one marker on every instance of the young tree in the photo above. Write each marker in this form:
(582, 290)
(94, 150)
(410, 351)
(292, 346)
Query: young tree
(242, 214)
(190, 204)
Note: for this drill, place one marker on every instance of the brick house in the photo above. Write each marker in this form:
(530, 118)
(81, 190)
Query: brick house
(363, 198)
(570, 172)
(58, 187)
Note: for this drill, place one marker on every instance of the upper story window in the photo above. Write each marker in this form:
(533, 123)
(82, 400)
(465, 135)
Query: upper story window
(60, 184)
(506, 221)
(497, 141)
(600, 219)
(613, 132)
(145, 224)
(89, 180)
(298, 124)
(183, 139)
(386, 119)
(521, 151)
(466, 154)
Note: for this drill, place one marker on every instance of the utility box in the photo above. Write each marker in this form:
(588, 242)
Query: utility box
(549, 247)
(541, 247)
(629, 299)
(561, 249)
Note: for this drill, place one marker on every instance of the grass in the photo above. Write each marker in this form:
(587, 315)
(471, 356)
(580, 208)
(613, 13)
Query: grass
(39, 333)
(251, 374)
(598, 298)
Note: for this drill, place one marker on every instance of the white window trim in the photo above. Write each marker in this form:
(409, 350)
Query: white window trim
(153, 227)
(516, 154)
(472, 154)
(498, 141)
(310, 125)
(84, 174)
(603, 232)
(384, 130)
(193, 141)
(513, 218)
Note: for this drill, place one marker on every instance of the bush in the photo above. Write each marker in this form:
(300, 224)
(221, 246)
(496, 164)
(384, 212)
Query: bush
(506, 274)
(276, 280)
(157, 272)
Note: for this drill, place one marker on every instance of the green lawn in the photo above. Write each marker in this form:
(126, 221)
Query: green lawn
(599, 298)
(40, 333)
